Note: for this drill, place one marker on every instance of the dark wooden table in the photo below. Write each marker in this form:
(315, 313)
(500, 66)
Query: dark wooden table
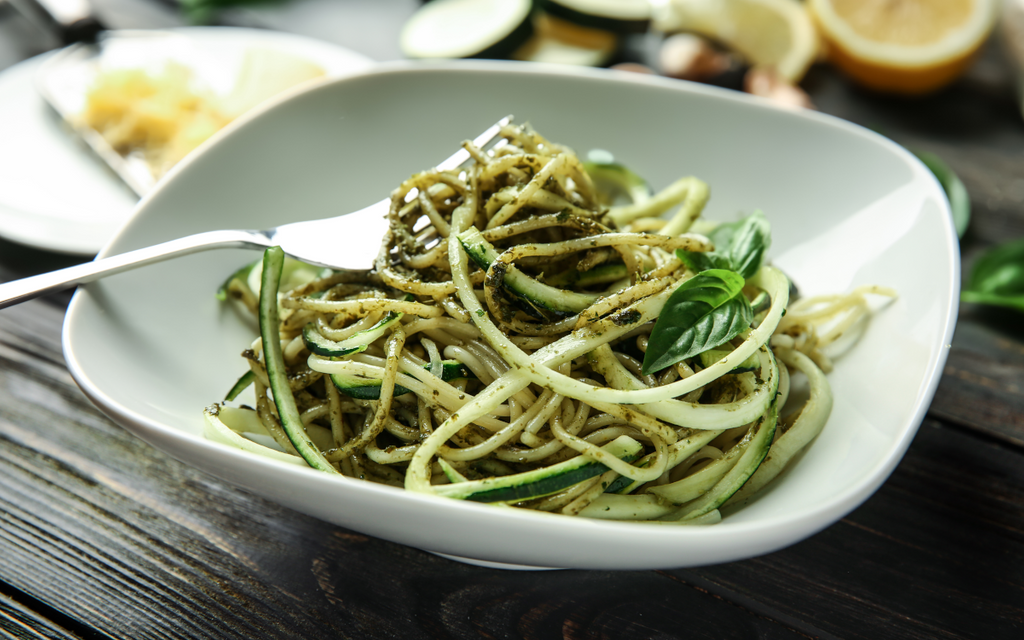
(103, 537)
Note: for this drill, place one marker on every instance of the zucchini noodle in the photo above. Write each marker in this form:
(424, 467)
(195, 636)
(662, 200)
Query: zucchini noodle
(499, 349)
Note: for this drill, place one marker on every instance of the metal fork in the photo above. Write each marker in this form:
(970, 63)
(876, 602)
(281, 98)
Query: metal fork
(340, 242)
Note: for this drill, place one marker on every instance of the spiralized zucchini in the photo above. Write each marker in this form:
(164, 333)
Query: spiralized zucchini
(500, 349)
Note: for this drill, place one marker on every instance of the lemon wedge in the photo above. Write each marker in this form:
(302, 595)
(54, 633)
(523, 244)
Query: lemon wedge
(904, 46)
(776, 33)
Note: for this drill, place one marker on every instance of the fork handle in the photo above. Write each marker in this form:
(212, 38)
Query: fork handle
(12, 293)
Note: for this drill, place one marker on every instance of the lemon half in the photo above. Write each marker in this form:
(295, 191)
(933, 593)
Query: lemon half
(776, 33)
(904, 46)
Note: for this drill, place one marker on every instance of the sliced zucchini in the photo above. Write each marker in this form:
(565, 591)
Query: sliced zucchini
(622, 483)
(617, 16)
(451, 472)
(761, 303)
(467, 29)
(601, 274)
(240, 385)
(225, 424)
(711, 356)
(753, 454)
(363, 388)
(609, 506)
(699, 482)
(356, 343)
(273, 264)
(294, 274)
(558, 41)
(540, 482)
(522, 285)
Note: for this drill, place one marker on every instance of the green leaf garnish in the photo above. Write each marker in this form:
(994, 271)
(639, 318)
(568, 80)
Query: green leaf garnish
(739, 246)
(998, 277)
(702, 313)
(956, 192)
(205, 11)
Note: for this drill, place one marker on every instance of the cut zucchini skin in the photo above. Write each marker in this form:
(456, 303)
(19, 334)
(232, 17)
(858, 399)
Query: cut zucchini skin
(601, 274)
(291, 421)
(368, 389)
(761, 303)
(620, 484)
(492, 29)
(624, 16)
(540, 482)
(543, 296)
(711, 356)
(755, 453)
(356, 343)
(240, 385)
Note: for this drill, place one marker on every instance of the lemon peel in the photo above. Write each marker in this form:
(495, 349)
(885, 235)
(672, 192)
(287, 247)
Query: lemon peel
(903, 46)
(775, 33)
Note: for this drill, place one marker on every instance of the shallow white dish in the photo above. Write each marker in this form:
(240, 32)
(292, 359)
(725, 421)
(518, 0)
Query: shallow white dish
(153, 347)
(55, 194)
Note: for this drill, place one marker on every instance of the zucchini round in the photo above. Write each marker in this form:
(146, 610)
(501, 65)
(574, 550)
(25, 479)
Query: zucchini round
(467, 29)
(617, 16)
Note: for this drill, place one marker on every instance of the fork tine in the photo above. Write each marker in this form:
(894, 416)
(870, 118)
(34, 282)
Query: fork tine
(352, 241)
(482, 140)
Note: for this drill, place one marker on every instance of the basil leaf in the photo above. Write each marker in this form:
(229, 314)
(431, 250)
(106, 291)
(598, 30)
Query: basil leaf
(698, 261)
(703, 313)
(722, 236)
(998, 277)
(956, 192)
(749, 244)
(739, 246)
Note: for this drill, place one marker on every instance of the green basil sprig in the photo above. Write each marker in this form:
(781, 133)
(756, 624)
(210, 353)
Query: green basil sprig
(998, 277)
(703, 313)
(205, 11)
(956, 192)
(739, 246)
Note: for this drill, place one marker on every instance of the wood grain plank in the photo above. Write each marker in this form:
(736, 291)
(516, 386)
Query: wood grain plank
(983, 382)
(937, 553)
(134, 544)
(22, 623)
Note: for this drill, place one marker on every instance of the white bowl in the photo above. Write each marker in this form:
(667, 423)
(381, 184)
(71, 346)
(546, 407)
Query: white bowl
(847, 207)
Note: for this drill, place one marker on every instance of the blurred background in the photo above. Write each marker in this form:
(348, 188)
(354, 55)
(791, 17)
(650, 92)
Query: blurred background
(940, 77)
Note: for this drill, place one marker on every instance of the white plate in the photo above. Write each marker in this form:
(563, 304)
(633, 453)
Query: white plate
(54, 193)
(848, 207)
